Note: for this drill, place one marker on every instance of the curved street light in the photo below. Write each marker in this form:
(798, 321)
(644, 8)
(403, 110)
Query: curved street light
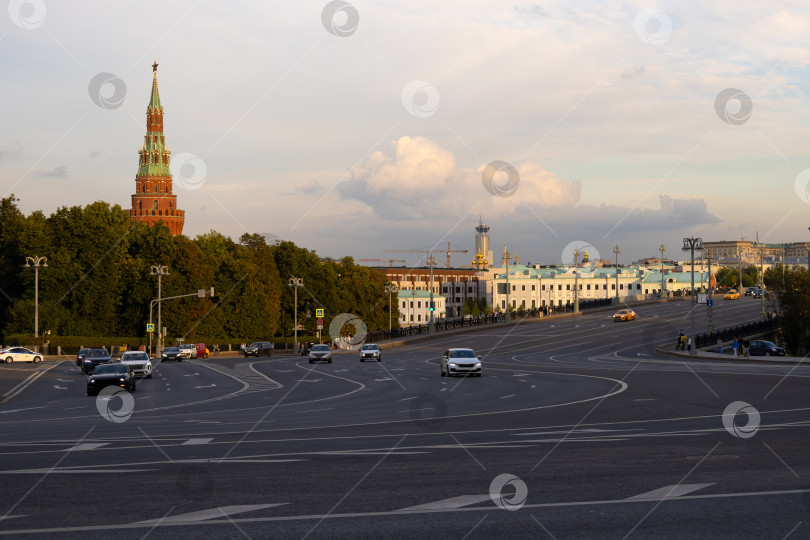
(295, 282)
(158, 270)
(36, 262)
(694, 244)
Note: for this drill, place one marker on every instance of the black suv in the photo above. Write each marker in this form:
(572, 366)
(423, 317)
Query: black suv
(258, 348)
(93, 358)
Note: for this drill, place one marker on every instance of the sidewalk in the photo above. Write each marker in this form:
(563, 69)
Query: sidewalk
(728, 355)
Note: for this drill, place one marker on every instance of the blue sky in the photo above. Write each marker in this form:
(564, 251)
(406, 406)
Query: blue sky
(349, 139)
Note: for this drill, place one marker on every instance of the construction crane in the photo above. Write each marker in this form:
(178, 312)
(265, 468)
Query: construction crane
(389, 261)
(448, 251)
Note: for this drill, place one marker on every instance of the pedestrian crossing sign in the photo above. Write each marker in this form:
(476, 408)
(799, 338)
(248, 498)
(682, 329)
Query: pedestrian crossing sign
(150, 327)
(319, 313)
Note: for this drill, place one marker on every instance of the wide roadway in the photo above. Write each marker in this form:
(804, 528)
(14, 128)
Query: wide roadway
(606, 437)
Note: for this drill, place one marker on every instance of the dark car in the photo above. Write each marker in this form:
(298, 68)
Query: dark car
(172, 353)
(94, 358)
(759, 347)
(750, 291)
(258, 348)
(115, 374)
(80, 355)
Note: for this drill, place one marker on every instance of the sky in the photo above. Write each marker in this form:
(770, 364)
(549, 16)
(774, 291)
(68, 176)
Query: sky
(351, 128)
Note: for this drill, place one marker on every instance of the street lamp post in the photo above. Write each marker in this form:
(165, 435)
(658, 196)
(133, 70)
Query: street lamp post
(431, 260)
(692, 244)
(506, 317)
(295, 282)
(662, 249)
(761, 250)
(390, 289)
(36, 262)
(616, 250)
(159, 270)
(576, 281)
(709, 319)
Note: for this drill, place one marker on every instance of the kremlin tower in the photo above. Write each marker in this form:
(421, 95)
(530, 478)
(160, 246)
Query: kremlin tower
(153, 200)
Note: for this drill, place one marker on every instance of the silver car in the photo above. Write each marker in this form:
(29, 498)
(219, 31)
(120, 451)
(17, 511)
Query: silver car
(138, 363)
(370, 351)
(321, 353)
(460, 362)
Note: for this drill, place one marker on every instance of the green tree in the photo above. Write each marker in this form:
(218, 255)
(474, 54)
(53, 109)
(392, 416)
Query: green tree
(793, 298)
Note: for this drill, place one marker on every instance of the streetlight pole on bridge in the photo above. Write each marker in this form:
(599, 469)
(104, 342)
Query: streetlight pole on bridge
(36, 262)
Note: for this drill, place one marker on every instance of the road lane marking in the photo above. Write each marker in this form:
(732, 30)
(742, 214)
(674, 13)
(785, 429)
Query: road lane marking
(18, 410)
(26, 383)
(407, 398)
(206, 386)
(202, 515)
(204, 440)
(75, 471)
(669, 492)
(451, 503)
(57, 387)
(315, 410)
(510, 395)
(86, 446)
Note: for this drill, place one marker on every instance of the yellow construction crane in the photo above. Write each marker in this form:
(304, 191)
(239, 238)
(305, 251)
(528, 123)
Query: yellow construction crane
(448, 251)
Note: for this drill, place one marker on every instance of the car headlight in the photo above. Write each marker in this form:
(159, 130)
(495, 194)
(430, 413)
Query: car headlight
(92, 381)
(478, 364)
(452, 364)
(121, 379)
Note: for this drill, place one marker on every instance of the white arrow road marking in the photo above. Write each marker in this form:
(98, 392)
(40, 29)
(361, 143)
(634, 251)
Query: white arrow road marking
(213, 513)
(669, 492)
(453, 502)
(65, 380)
(197, 441)
(190, 374)
(309, 380)
(381, 380)
(520, 374)
(60, 387)
(207, 386)
(86, 446)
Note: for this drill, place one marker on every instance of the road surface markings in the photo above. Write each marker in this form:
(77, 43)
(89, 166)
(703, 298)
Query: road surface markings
(407, 398)
(56, 386)
(451, 503)
(86, 446)
(74, 471)
(18, 410)
(213, 513)
(381, 380)
(26, 383)
(315, 410)
(206, 386)
(9, 517)
(204, 440)
(65, 380)
(190, 374)
(669, 492)
(510, 395)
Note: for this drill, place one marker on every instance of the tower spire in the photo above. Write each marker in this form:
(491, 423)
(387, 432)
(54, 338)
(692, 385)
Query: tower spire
(153, 200)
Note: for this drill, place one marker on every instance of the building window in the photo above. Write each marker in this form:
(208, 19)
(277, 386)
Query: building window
(542, 287)
(596, 287)
(589, 286)
(469, 290)
(404, 305)
(458, 289)
(419, 304)
(514, 287)
(638, 286)
(444, 290)
(154, 205)
(613, 287)
(559, 288)
(533, 306)
(411, 317)
(533, 287)
(155, 189)
(419, 317)
(621, 286)
(567, 287)
(523, 287)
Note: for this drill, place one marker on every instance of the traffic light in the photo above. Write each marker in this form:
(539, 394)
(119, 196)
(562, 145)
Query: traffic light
(432, 307)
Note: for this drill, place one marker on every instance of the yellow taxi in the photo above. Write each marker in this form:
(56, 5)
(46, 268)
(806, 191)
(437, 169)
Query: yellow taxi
(731, 295)
(624, 315)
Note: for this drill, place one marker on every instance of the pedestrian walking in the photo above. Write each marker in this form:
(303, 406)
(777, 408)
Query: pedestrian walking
(719, 346)
(745, 345)
(735, 346)
(689, 344)
(680, 339)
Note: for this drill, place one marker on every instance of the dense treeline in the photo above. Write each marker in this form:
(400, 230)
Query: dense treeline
(791, 288)
(98, 282)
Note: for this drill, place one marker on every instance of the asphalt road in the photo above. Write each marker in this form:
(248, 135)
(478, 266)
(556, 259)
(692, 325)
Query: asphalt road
(577, 429)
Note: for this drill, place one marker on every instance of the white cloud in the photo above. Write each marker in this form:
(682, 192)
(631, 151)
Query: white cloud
(416, 178)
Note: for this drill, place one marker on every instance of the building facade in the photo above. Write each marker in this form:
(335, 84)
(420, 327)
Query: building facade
(414, 307)
(153, 200)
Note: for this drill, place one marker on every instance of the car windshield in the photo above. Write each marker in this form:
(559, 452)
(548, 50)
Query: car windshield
(186, 346)
(369, 348)
(462, 353)
(111, 369)
(320, 348)
(83, 351)
(767, 344)
(171, 349)
(255, 344)
(135, 356)
(97, 352)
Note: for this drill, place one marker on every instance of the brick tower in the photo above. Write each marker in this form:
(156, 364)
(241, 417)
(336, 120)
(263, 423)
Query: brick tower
(153, 200)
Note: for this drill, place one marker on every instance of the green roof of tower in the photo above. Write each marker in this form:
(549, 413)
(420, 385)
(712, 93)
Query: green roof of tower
(154, 100)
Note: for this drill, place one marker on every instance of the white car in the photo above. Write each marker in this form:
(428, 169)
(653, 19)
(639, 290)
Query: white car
(370, 351)
(188, 350)
(19, 354)
(320, 353)
(460, 362)
(138, 363)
